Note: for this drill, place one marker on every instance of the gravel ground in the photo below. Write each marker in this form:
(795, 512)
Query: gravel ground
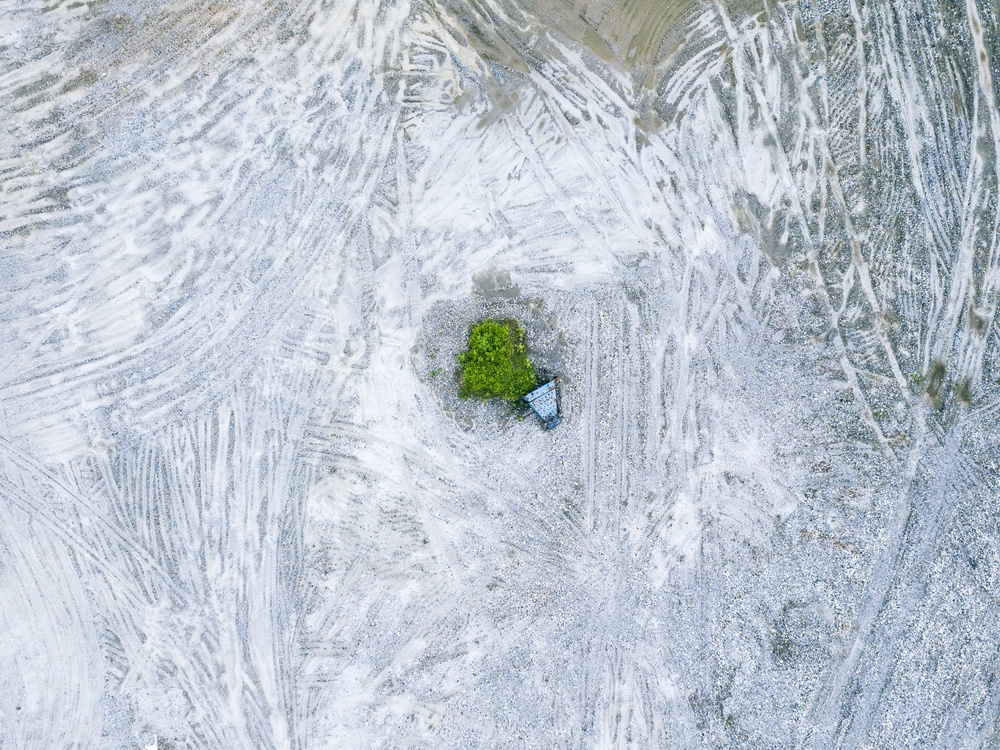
(241, 505)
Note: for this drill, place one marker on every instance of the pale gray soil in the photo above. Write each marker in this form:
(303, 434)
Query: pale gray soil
(241, 505)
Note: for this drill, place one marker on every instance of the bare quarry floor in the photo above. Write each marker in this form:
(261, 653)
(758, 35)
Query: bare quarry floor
(241, 504)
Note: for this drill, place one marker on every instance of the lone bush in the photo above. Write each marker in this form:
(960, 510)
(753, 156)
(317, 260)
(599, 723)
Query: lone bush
(496, 364)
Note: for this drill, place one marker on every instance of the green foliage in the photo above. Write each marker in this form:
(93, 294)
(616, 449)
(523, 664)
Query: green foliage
(496, 364)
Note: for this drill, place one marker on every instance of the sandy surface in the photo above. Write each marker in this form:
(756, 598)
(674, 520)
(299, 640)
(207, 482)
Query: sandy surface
(240, 504)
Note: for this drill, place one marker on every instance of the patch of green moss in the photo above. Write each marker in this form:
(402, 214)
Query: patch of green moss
(496, 363)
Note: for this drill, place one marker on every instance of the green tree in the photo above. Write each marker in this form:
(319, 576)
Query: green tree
(496, 364)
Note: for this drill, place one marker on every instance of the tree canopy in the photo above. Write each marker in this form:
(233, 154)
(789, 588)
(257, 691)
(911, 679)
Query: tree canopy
(496, 363)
